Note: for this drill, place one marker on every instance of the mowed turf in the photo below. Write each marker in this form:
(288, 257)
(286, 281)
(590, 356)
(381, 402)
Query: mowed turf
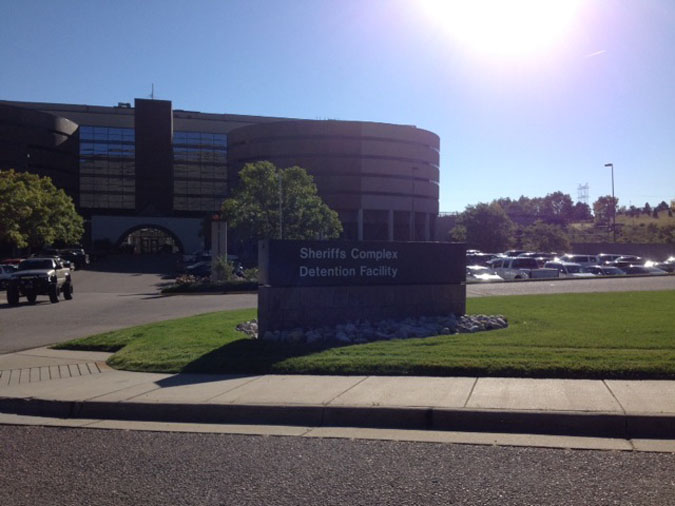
(603, 335)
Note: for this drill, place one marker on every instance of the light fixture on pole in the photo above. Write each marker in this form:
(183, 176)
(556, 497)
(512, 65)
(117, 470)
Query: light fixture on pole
(611, 165)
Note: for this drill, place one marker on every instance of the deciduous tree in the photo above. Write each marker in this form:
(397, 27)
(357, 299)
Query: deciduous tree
(255, 209)
(604, 209)
(545, 237)
(485, 226)
(34, 213)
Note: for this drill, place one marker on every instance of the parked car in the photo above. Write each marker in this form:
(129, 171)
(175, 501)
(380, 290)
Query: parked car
(569, 270)
(667, 265)
(6, 271)
(511, 268)
(579, 259)
(199, 269)
(515, 252)
(604, 270)
(481, 274)
(77, 256)
(605, 258)
(645, 271)
(627, 261)
(540, 256)
(11, 261)
(479, 258)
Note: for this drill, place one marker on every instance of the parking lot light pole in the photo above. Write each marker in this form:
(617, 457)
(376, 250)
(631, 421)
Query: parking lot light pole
(611, 165)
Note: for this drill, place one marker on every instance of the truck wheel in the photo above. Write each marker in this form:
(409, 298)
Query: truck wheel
(32, 297)
(68, 290)
(12, 296)
(53, 294)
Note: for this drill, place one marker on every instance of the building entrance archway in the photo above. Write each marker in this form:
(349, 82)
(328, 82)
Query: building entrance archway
(150, 239)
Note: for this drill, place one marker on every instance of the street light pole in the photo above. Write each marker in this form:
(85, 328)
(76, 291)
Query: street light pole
(611, 165)
(281, 215)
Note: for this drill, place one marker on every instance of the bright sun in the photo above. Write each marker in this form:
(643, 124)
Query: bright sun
(508, 28)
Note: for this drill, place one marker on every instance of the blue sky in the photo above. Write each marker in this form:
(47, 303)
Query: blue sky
(531, 119)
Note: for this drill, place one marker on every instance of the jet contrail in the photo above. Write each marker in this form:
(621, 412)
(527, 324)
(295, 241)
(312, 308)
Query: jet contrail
(595, 54)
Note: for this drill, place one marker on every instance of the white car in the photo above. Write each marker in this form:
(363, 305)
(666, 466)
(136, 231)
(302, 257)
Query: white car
(481, 274)
(582, 260)
(569, 269)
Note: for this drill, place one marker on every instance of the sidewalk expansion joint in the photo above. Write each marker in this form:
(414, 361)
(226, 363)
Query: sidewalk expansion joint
(342, 393)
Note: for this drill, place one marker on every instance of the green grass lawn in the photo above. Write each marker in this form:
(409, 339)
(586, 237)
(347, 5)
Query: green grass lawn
(603, 335)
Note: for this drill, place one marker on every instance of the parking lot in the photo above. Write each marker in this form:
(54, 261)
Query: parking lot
(121, 293)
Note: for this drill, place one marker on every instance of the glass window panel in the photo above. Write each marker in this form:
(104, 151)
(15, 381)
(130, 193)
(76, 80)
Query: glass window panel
(180, 186)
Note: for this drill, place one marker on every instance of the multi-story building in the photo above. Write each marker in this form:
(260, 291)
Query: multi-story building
(157, 175)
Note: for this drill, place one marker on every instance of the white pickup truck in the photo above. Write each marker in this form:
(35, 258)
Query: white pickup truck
(511, 268)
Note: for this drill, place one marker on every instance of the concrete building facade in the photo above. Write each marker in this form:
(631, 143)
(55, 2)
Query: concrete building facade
(149, 166)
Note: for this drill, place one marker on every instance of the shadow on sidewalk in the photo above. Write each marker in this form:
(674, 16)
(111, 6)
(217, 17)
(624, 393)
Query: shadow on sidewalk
(250, 357)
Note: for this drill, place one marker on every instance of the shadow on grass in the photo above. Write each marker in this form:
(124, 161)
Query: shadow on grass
(247, 357)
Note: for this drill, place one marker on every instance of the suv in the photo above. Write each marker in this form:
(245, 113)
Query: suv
(511, 268)
(40, 276)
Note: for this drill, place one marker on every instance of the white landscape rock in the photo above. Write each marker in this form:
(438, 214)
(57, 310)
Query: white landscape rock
(361, 332)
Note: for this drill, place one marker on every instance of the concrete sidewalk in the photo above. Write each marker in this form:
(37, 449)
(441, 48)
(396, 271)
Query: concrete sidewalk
(78, 385)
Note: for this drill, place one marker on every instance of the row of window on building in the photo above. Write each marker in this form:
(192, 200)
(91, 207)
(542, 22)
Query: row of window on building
(107, 169)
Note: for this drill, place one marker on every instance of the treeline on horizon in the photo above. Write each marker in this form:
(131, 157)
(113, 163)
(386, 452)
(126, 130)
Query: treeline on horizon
(553, 222)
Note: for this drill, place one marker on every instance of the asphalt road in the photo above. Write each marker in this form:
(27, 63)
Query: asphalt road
(124, 291)
(85, 466)
(111, 295)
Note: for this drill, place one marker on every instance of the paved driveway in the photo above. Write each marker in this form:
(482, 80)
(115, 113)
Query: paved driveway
(106, 297)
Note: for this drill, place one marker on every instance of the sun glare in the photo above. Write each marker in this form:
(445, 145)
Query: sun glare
(508, 28)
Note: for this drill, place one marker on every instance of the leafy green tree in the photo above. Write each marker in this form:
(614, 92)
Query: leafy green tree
(557, 208)
(34, 213)
(486, 227)
(604, 209)
(545, 237)
(581, 211)
(255, 209)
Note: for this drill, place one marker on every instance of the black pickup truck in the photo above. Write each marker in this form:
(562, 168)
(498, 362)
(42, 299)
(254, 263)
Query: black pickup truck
(40, 276)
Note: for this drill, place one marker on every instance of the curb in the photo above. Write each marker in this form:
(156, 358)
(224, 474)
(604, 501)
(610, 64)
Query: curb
(563, 423)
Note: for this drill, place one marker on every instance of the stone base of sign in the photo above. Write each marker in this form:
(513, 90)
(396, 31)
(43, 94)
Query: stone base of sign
(282, 308)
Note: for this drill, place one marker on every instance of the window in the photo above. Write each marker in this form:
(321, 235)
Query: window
(107, 167)
(199, 171)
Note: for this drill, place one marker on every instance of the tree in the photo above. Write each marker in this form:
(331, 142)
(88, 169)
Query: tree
(557, 208)
(486, 227)
(605, 209)
(254, 207)
(34, 213)
(581, 211)
(545, 237)
(647, 209)
(662, 206)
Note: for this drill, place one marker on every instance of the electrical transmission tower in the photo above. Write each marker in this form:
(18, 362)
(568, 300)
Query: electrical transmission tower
(582, 193)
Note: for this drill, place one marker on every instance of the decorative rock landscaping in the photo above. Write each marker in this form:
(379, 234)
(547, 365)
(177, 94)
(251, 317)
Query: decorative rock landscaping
(364, 331)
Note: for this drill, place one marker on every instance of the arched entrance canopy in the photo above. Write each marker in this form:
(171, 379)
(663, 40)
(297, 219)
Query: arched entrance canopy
(150, 238)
